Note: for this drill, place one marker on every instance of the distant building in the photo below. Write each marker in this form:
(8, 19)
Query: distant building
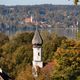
(28, 19)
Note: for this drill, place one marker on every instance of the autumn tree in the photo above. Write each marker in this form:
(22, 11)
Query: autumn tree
(3, 39)
(68, 61)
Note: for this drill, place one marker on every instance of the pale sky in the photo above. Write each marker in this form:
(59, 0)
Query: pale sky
(33, 2)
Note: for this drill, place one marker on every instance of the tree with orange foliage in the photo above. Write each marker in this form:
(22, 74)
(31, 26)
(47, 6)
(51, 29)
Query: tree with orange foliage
(68, 59)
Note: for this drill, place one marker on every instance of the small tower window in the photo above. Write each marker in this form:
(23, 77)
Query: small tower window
(38, 54)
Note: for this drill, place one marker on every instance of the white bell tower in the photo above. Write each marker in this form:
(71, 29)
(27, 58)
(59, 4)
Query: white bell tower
(37, 52)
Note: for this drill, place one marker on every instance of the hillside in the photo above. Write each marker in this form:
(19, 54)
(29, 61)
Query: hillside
(12, 18)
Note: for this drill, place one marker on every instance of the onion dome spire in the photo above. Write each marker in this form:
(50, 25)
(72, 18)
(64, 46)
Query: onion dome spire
(37, 39)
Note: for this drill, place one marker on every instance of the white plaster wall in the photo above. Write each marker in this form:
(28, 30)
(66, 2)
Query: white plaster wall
(40, 64)
(37, 54)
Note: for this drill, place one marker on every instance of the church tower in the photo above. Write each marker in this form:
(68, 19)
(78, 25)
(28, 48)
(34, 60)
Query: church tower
(37, 52)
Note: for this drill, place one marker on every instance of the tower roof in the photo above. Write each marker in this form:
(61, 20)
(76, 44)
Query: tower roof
(37, 39)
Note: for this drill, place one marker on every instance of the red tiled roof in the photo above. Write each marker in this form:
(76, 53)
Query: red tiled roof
(49, 67)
